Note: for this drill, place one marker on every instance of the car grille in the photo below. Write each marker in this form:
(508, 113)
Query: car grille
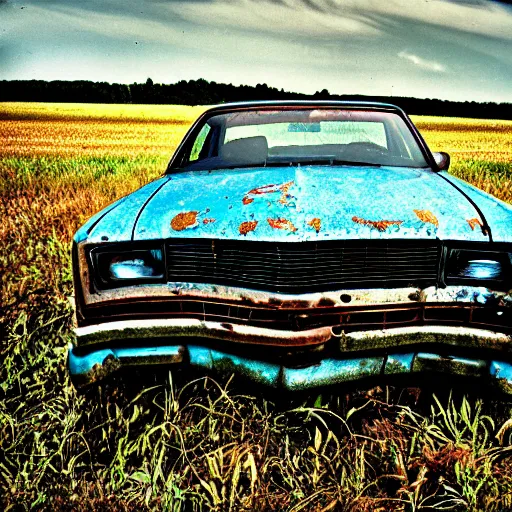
(304, 267)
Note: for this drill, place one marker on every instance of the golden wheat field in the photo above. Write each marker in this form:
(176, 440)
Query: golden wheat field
(465, 139)
(30, 129)
(175, 441)
(92, 130)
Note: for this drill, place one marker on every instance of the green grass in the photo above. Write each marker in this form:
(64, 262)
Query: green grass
(175, 440)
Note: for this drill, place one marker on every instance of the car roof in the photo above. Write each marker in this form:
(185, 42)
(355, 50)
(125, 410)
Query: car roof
(243, 105)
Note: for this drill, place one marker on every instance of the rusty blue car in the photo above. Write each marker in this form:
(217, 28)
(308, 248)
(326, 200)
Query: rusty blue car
(299, 244)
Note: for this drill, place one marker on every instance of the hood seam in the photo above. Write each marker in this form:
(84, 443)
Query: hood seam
(139, 213)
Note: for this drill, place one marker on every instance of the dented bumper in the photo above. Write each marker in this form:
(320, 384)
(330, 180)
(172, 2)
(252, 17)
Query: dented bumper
(97, 364)
(383, 352)
(298, 341)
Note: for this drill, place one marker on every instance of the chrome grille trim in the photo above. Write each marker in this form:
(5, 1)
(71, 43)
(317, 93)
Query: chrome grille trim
(303, 267)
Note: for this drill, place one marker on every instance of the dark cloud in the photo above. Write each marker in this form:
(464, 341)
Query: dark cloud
(483, 4)
(333, 6)
(480, 3)
(455, 41)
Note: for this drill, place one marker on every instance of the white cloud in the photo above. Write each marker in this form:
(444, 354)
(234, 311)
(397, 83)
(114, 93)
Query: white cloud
(429, 65)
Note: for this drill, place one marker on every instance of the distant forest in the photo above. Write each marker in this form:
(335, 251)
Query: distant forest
(202, 92)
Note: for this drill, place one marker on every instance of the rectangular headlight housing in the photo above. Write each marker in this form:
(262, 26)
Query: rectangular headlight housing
(122, 266)
(479, 267)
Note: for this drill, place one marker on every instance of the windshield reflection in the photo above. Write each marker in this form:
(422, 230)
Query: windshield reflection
(333, 137)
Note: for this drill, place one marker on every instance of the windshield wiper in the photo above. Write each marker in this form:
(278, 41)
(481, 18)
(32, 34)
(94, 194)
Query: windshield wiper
(298, 162)
(285, 163)
(320, 161)
(355, 163)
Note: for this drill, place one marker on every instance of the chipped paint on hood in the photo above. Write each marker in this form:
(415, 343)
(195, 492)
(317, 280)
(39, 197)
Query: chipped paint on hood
(302, 203)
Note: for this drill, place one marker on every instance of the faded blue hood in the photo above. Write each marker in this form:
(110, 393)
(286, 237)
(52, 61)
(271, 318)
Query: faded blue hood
(294, 204)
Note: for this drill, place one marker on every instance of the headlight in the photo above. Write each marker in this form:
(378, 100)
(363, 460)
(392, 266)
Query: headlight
(114, 267)
(466, 265)
(480, 269)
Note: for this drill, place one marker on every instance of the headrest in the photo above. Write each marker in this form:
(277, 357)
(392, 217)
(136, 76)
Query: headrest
(250, 150)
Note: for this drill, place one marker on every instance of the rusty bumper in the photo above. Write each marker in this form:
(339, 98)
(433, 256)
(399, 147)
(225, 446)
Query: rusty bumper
(340, 336)
(397, 349)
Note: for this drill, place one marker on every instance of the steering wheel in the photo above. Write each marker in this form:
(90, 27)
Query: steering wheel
(367, 146)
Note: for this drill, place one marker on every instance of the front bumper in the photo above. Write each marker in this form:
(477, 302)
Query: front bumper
(379, 353)
(296, 341)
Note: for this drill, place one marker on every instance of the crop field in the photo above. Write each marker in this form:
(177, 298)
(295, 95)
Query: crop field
(174, 440)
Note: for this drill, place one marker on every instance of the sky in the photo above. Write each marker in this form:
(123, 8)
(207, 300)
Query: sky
(447, 49)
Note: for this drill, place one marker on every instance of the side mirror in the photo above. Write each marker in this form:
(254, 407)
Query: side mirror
(442, 160)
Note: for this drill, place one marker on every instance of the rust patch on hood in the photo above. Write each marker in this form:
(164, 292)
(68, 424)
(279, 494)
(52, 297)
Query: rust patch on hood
(315, 223)
(265, 189)
(281, 223)
(248, 226)
(184, 220)
(380, 225)
(286, 186)
(270, 189)
(475, 222)
(427, 216)
(284, 193)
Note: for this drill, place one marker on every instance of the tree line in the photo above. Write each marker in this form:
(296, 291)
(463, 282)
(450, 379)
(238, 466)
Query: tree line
(203, 92)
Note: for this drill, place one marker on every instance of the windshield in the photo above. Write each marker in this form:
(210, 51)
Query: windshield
(256, 138)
